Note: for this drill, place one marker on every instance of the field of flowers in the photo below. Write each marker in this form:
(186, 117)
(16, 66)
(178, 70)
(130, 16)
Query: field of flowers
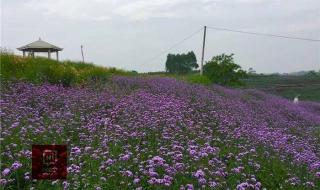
(160, 133)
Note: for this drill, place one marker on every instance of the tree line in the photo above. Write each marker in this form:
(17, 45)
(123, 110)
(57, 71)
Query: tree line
(181, 63)
(221, 69)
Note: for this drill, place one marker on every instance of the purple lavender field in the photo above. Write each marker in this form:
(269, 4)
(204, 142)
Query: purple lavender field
(160, 133)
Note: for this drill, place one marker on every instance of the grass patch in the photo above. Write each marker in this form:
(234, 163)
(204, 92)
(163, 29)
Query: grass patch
(41, 70)
(198, 79)
(307, 87)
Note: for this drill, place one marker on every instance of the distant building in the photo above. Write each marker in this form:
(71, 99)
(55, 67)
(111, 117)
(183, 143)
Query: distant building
(40, 46)
(251, 71)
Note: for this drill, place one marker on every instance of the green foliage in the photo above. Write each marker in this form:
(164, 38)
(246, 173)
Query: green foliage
(198, 79)
(40, 70)
(181, 63)
(222, 70)
(289, 86)
(313, 74)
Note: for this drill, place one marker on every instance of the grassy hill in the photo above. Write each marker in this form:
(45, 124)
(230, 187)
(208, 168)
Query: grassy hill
(153, 132)
(307, 87)
(68, 73)
(287, 86)
(40, 70)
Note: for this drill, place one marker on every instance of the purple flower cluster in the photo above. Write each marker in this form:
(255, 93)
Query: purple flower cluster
(138, 133)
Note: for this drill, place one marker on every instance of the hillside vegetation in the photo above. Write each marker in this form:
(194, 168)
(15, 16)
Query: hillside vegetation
(40, 70)
(161, 133)
(307, 87)
(144, 132)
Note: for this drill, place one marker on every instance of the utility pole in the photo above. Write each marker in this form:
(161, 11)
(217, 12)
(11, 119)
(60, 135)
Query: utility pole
(82, 53)
(203, 46)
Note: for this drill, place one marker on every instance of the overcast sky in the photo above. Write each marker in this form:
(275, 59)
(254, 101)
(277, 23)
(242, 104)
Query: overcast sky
(128, 33)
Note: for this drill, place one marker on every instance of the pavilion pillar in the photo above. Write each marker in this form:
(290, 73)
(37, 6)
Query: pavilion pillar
(24, 53)
(32, 54)
(57, 54)
(49, 54)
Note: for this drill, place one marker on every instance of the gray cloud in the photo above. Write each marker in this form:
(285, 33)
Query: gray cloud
(126, 33)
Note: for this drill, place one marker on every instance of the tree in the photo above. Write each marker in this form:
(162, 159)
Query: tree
(181, 63)
(222, 70)
(312, 74)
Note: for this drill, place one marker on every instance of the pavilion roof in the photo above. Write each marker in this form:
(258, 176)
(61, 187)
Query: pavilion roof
(40, 45)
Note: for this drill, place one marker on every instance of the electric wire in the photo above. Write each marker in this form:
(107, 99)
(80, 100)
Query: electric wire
(263, 34)
(228, 30)
(173, 46)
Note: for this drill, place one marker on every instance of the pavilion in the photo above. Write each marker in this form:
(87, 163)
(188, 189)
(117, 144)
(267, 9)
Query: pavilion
(40, 46)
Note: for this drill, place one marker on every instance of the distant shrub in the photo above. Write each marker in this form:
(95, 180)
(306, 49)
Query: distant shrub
(221, 69)
(312, 74)
(67, 73)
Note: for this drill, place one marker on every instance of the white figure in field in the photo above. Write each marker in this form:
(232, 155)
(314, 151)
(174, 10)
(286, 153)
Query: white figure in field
(296, 99)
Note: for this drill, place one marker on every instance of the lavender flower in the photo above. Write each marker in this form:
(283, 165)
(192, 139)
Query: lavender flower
(5, 171)
(16, 165)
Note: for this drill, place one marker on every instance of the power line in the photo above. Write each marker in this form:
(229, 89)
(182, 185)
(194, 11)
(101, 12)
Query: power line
(229, 30)
(173, 46)
(263, 34)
